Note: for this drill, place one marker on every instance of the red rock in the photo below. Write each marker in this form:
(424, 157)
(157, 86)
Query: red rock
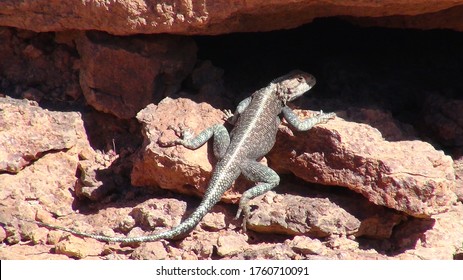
(306, 245)
(443, 118)
(154, 213)
(43, 70)
(2, 234)
(341, 243)
(150, 251)
(21, 252)
(295, 215)
(96, 176)
(175, 168)
(231, 244)
(28, 132)
(390, 128)
(438, 238)
(273, 251)
(79, 248)
(376, 222)
(444, 19)
(117, 90)
(409, 176)
(126, 17)
(214, 221)
(458, 164)
(33, 94)
(200, 245)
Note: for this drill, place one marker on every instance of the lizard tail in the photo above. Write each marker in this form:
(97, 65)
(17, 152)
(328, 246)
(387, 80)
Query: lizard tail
(209, 200)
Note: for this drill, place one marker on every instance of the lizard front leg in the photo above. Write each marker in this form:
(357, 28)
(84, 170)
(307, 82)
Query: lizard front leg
(233, 117)
(306, 124)
(218, 132)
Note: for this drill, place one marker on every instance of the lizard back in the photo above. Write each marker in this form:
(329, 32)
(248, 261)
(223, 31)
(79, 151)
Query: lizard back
(255, 131)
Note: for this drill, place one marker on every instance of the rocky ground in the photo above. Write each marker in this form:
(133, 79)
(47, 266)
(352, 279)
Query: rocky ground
(82, 116)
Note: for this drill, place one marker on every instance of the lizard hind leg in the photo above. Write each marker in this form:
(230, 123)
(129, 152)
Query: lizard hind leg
(266, 179)
(218, 132)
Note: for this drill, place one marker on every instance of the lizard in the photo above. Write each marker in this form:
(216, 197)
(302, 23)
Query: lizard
(256, 120)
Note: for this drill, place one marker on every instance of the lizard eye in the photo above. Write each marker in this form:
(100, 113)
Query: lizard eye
(300, 79)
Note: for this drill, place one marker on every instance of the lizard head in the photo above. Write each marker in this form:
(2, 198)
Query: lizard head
(293, 85)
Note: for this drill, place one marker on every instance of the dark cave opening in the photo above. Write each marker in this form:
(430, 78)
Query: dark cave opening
(404, 72)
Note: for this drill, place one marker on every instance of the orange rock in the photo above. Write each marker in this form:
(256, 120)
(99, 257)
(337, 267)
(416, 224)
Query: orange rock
(409, 176)
(79, 248)
(176, 168)
(127, 17)
(118, 90)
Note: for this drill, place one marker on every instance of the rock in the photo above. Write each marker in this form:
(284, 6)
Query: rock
(13, 235)
(390, 128)
(34, 233)
(341, 243)
(40, 151)
(444, 120)
(409, 176)
(438, 238)
(202, 17)
(156, 213)
(458, 164)
(162, 62)
(307, 246)
(96, 177)
(201, 245)
(214, 221)
(176, 168)
(21, 252)
(2, 234)
(347, 253)
(444, 19)
(79, 248)
(53, 237)
(50, 144)
(36, 67)
(28, 132)
(295, 215)
(33, 94)
(150, 251)
(45, 184)
(231, 244)
(376, 222)
(127, 224)
(278, 251)
(207, 82)
(206, 74)
(188, 256)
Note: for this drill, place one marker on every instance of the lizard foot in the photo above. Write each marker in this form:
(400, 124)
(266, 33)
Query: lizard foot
(183, 132)
(245, 209)
(228, 115)
(324, 117)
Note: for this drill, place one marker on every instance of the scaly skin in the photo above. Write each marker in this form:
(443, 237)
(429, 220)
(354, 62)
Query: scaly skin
(256, 121)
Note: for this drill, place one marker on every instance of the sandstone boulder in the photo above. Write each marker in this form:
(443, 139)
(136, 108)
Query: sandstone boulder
(409, 176)
(176, 168)
(296, 215)
(126, 17)
(28, 132)
(152, 68)
(39, 154)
